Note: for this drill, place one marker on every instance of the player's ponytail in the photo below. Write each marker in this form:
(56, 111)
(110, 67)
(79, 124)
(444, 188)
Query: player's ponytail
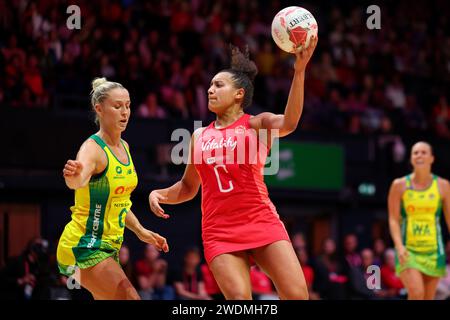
(243, 72)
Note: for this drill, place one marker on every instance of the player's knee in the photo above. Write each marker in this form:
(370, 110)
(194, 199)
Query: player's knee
(126, 291)
(131, 294)
(238, 294)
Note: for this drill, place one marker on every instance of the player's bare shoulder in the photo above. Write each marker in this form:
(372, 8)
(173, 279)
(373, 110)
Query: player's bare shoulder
(91, 147)
(444, 186)
(398, 185)
(90, 151)
(197, 133)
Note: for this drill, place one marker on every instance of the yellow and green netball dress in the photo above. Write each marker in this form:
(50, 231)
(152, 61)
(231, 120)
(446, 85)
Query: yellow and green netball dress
(98, 216)
(421, 230)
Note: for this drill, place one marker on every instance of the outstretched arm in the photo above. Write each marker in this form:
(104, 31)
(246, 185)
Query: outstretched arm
(145, 235)
(287, 122)
(77, 173)
(394, 202)
(183, 190)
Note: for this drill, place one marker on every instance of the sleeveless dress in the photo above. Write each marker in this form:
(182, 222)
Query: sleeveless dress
(421, 230)
(237, 213)
(98, 216)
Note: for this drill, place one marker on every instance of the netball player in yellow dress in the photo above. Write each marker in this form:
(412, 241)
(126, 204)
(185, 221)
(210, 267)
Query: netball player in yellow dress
(103, 177)
(415, 206)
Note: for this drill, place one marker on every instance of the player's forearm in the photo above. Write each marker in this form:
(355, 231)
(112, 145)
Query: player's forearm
(394, 226)
(75, 183)
(132, 223)
(177, 193)
(294, 106)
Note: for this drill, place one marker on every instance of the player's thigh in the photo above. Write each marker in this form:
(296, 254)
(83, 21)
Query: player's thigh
(430, 284)
(232, 274)
(413, 281)
(106, 280)
(281, 264)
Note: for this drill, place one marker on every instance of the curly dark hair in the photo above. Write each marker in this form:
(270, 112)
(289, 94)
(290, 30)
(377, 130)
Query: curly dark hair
(243, 72)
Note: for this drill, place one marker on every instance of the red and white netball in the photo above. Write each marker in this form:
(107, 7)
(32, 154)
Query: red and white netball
(292, 29)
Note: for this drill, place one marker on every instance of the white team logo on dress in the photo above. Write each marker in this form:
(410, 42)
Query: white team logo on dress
(213, 144)
(239, 129)
(239, 144)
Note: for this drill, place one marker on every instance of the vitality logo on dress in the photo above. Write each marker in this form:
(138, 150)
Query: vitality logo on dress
(213, 144)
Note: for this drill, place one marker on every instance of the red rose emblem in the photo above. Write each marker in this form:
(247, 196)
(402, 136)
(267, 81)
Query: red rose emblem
(282, 22)
(298, 36)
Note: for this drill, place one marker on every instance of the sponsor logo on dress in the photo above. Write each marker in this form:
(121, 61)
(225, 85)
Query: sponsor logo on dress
(122, 189)
(213, 144)
(239, 129)
(94, 235)
(420, 209)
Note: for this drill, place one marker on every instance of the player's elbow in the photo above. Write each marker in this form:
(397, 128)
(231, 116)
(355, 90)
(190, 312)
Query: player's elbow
(288, 128)
(73, 184)
(189, 191)
(193, 192)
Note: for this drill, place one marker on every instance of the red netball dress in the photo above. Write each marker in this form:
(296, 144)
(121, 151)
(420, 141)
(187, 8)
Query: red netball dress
(237, 213)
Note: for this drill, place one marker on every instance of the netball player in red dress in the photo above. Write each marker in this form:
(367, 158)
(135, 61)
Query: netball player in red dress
(238, 219)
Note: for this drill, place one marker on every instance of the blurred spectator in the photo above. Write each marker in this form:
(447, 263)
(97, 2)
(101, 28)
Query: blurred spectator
(106, 69)
(59, 291)
(348, 87)
(188, 281)
(127, 266)
(146, 270)
(12, 49)
(265, 59)
(179, 108)
(27, 276)
(211, 286)
(161, 290)
(308, 271)
(441, 117)
(351, 254)
(395, 93)
(358, 276)
(414, 118)
(150, 108)
(330, 279)
(298, 240)
(391, 282)
(32, 78)
(262, 287)
(379, 246)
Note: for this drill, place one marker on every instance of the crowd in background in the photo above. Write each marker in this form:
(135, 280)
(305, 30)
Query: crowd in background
(392, 80)
(335, 273)
(395, 79)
